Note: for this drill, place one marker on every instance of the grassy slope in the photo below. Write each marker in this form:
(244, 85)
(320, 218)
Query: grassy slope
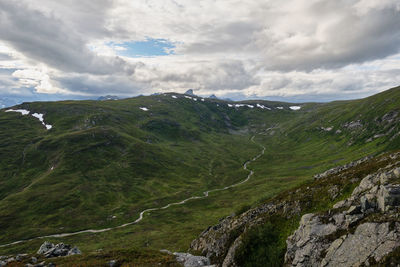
(129, 159)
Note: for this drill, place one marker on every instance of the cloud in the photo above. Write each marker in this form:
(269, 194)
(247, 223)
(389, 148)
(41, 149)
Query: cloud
(46, 38)
(297, 49)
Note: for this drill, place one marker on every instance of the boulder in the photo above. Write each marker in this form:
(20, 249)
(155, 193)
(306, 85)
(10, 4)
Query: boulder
(188, 260)
(370, 241)
(368, 202)
(49, 250)
(388, 197)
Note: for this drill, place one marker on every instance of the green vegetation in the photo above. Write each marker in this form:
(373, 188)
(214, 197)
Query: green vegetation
(104, 162)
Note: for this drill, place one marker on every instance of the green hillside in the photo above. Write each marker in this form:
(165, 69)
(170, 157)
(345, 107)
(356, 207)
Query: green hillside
(103, 162)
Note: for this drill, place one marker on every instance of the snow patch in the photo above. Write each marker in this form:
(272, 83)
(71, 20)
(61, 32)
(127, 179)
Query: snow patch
(174, 96)
(230, 105)
(295, 107)
(250, 106)
(202, 99)
(144, 108)
(279, 107)
(263, 107)
(40, 117)
(22, 111)
(36, 115)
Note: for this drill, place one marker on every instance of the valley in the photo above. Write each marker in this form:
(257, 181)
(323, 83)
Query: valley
(104, 163)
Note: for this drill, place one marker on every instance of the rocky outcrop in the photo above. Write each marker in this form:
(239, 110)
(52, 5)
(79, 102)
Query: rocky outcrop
(50, 250)
(367, 218)
(360, 230)
(188, 260)
(338, 169)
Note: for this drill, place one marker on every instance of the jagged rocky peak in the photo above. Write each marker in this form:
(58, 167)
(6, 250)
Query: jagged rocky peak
(190, 92)
(213, 96)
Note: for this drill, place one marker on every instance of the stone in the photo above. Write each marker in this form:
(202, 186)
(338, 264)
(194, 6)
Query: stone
(33, 259)
(188, 260)
(368, 202)
(29, 265)
(304, 246)
(341, 204)
(2, 263)
(388, 197)
(74, 251)
(50, 250)
(370, 241)
(46, 246)
(112, 263)
(354, 210)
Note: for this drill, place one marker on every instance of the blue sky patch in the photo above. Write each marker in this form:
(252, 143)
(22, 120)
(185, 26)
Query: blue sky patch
(148, 48)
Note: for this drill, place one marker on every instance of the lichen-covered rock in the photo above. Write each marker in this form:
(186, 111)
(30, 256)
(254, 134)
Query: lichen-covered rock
(305, 246)
(188, 260)
(341, 168)
(50, 250)
(388, 196)
(343, 238)
(370, 241)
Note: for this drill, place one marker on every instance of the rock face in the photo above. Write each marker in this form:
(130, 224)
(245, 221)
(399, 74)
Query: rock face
(351, 237)
(360, 229)
(341, 168)
(50, 250)
(189, 92)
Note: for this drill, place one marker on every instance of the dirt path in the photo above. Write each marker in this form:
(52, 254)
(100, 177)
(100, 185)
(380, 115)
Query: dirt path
(141, 215)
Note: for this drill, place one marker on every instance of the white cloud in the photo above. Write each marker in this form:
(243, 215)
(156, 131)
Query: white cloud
(314, 48)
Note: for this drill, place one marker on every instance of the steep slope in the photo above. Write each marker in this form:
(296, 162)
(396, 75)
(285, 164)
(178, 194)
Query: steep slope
(347, 218)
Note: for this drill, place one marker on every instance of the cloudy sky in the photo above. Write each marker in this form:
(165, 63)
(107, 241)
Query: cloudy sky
(294, 50)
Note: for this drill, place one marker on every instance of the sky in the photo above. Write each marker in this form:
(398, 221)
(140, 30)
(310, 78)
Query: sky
(293, 50)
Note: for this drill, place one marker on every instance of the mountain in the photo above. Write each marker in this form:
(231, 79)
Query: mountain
(190, 92)
(213, 96)
(104, 162)
(108, 97)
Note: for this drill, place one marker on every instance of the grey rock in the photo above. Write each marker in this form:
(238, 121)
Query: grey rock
(338, 169)
(354, 210)
(229, 260)
(49, 250)
(388, 197)
(166, 251)
(306, 245)
(74, 251)
(353, 125)
(46, 246)
(188, 260)
(33, 259)
(3, 263)
(368, 202)
(370, 241)
(29, 265)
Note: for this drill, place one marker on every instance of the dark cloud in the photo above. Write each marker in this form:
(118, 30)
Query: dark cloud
(46, 38)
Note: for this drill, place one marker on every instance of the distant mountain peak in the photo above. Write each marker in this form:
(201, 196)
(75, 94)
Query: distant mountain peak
(213, 96)
(189, 92)
(108, 97)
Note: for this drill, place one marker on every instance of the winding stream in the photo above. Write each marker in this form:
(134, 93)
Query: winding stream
(141, 215)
